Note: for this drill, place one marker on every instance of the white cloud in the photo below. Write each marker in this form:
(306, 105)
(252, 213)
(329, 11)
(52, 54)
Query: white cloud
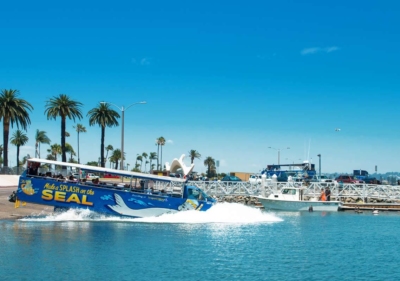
(170, 141)
(331, 49)
(309, 51)
(141, 61)
(314, 50)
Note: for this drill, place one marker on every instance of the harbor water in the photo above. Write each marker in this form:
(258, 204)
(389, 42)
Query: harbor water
(228, 242)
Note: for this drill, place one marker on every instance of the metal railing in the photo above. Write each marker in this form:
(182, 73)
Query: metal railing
(364, 191)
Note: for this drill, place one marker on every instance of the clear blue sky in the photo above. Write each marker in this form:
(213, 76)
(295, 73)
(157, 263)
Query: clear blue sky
(226, 78)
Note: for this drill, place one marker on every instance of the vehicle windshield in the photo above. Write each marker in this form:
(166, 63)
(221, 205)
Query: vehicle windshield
(198, 194)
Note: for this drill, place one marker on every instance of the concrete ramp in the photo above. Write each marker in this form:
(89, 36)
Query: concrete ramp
(8, 180)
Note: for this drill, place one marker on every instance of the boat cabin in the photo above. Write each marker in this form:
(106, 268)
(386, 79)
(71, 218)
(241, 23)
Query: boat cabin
(289, 194)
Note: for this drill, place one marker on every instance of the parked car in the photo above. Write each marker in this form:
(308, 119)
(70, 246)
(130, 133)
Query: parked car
(231, 178)
(348, 179)
(255, 179)
(111, 176)
(91, 176)
(316, 178)
(372, 181)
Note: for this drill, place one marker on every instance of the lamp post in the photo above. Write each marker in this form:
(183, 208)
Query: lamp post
(319, 168)
(279, 153)
(122, 109)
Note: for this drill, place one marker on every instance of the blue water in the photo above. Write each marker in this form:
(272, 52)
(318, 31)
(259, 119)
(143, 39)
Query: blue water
(233, 242)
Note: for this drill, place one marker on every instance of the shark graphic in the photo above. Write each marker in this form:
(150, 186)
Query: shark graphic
(123, 209)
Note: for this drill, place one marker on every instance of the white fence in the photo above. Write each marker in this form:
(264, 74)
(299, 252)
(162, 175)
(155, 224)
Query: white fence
(365, 191)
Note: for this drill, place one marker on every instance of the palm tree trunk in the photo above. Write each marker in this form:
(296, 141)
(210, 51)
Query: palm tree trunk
(158, 156)
(64, 154)
(103, 132)
(18, 159)
(162, 167)
(6, 127)
(79, 159)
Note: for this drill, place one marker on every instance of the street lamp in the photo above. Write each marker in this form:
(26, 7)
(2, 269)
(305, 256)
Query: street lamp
(122, 126)
(319, 169)
(279, 153)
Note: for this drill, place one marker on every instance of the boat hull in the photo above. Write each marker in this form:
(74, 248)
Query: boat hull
(290, 205)
(103, 199)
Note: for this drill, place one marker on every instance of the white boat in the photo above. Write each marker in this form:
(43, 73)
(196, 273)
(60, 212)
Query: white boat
(291, 198)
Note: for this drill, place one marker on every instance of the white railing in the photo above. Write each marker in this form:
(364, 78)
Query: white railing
(365, 191)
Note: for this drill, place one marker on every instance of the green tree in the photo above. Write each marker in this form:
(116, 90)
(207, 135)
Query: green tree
(108, 148)
(140, 158)
(79, 128)
(160, 143)
(55, 150)
(40, 137)
(194, 154)
(63, 107)
(152, 156)
(115, 157)
(145, 155)
(13, 110)
(92, 163)
(104, 116)
(19, 139)
(209, 162)
(69, 149)
(24, 159)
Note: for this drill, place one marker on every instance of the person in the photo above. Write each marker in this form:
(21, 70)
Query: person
(328, 194)
(322, 196)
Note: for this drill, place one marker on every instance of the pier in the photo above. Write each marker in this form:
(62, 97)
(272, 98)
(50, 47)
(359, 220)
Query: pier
(367, 192)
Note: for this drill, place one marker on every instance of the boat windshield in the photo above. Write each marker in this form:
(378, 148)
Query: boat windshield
(289, 191)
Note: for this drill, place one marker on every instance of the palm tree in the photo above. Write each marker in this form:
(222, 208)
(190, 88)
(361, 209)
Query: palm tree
(140, 158)
(15, 111)
(194, 154)
(70, 149)
(24, 159)
(145, 155)
(153, 156)
(79, 129)
(116, 156)
(108, 148)
(40, 137)
(18, 139)
(209, 162)
(160, 142)
(54, 150)
(104, 116)
(62, 106)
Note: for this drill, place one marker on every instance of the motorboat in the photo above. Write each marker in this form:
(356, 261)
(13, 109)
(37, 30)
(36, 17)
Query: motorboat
(291, 198)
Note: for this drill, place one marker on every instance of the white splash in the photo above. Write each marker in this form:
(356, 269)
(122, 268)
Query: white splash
(230, 213)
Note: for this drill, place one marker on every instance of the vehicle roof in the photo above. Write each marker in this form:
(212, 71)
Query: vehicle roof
(108, 171)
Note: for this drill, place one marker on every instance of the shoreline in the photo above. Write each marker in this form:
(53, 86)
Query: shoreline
(9, 212)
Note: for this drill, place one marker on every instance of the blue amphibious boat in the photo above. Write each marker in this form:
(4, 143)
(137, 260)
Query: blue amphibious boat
(137, 195)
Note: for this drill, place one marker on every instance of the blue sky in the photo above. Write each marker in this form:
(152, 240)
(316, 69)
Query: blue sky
(228, 79)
